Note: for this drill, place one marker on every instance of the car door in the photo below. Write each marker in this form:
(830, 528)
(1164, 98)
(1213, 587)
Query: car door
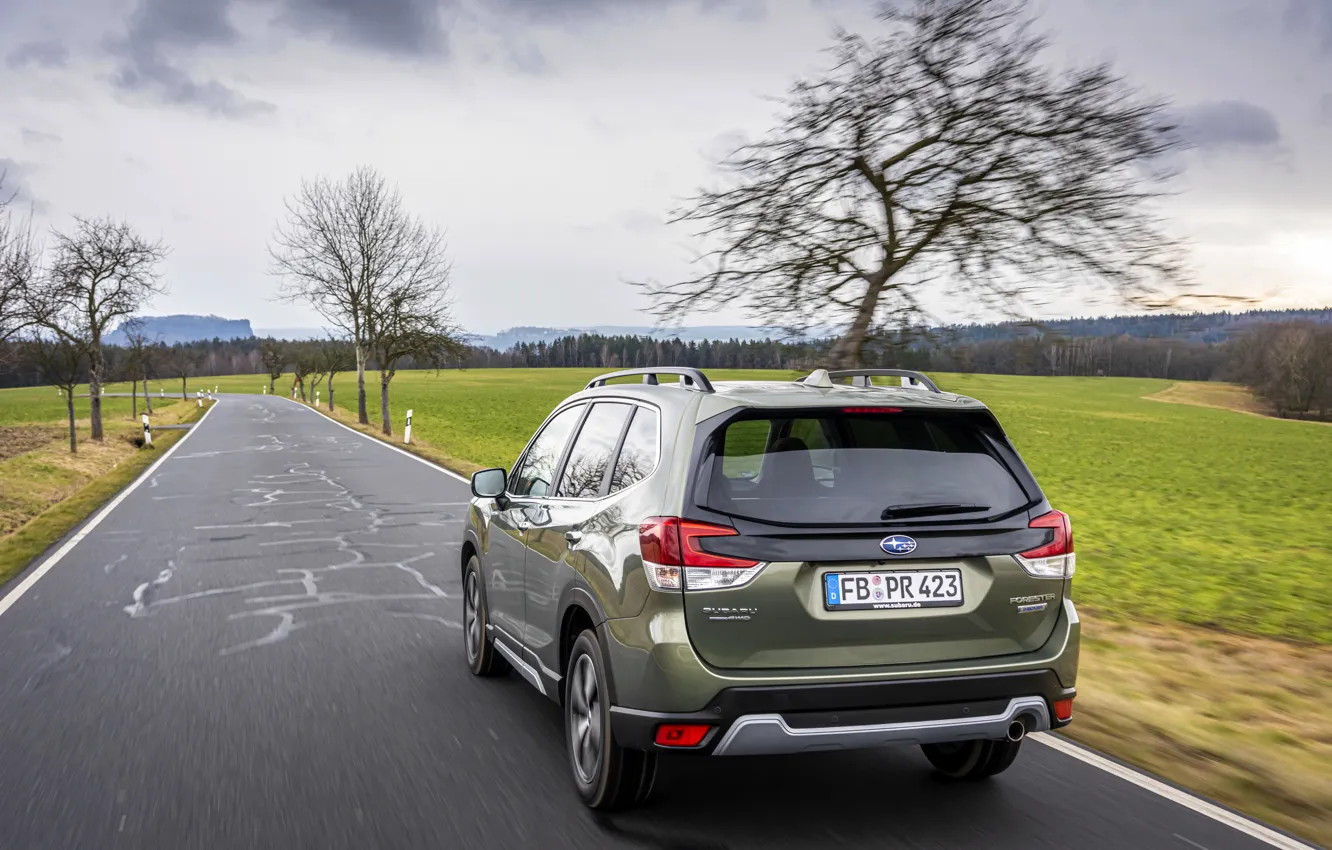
(558, 529)
(529, 484)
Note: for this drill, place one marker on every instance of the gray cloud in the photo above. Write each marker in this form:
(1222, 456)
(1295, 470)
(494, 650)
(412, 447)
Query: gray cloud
(37, 137)
(1311, 16)
(1223, 124)
(412, 27)
(44, 54)
(14, 186)
(157, 25)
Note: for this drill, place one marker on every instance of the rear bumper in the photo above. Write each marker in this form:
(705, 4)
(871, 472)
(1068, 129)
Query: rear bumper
(803, 718)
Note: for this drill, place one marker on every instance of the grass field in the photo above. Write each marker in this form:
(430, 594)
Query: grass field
(45, 490)
(1181, 513)
(1204, 568)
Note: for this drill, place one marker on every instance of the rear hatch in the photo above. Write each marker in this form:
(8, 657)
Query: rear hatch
(888, 535)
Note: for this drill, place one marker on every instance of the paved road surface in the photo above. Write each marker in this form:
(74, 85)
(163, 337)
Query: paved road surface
(260, 647)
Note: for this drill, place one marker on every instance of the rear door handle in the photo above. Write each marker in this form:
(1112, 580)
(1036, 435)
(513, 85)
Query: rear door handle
(573, 535)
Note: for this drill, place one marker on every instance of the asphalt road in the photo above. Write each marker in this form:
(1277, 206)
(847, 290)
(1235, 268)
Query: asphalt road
(260, 647)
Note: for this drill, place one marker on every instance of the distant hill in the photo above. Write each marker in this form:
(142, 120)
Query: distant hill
(186, 328)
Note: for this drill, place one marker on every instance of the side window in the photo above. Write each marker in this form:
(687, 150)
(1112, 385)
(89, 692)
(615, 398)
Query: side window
(590, 456)
(638, 455)
(533, 477)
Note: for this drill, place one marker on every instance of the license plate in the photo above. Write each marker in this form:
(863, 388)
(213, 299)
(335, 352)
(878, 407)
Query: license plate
(861, 591)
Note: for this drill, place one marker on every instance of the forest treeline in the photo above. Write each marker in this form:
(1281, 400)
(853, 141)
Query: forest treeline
(1287, 363)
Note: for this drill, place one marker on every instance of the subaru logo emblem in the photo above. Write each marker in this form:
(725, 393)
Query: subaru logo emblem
(898, 544)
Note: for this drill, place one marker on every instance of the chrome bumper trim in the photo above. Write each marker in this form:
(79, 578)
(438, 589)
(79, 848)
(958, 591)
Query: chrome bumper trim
(762, 734)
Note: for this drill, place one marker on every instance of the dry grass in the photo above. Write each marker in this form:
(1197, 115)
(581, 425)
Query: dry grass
(45, 474)
(1242, 720)
(20, 439)
(1221, 397)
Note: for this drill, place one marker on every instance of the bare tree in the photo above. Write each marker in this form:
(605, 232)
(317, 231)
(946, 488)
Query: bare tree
(101, 273)
(304, 361)
(944, 155)
(345, 247)
(273, 355)
(335, 355)
(19, 266)
(181, 364)
(412, 318)
(62, 361)
(140, 353)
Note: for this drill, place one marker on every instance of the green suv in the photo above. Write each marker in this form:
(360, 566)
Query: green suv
(762, 567)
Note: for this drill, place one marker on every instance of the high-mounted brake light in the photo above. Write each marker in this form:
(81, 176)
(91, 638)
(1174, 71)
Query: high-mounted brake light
(1055, 558)
(671, 552)
(871, 410)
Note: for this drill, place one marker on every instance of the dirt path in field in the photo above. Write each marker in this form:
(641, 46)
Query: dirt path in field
(1220, 397)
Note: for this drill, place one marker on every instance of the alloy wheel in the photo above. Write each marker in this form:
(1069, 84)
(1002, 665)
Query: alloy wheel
(585, 719)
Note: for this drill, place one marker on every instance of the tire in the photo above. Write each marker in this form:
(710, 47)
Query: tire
(482, 657)
(972, 760)
(608, 777)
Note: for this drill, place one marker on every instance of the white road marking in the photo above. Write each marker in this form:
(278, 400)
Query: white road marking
(389, 446)
(36, 575)
(1236, 822)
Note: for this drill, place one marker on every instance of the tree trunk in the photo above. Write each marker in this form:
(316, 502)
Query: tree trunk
(384, 379)
(330, 395)
(134, 397)
(300, 386)
(73, 436)
(362, 415)
(95, 366)
(272, 384)
(147, 397)
(846, 353)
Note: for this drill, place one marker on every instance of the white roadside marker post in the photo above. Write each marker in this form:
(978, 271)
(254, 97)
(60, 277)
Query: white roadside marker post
(407, 432)
(147, 432)
(316, 398)
(214, 389)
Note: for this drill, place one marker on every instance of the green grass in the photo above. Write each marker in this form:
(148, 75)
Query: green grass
(78, 484)
(1181, 513)
(28, 405)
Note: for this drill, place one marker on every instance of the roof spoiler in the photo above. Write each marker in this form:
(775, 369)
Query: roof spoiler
(692, 378)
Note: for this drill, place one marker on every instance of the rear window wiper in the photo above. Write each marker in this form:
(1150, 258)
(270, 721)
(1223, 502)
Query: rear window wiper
(930, 509)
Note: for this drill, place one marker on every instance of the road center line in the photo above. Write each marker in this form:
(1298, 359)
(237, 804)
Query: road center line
(35, 576)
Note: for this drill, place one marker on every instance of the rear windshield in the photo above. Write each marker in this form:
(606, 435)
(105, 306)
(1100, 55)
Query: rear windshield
(859, 468)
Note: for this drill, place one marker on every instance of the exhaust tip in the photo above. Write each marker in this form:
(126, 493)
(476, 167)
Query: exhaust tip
(1017, 730)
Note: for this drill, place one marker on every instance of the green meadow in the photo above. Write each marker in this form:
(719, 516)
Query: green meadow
(1181, 514)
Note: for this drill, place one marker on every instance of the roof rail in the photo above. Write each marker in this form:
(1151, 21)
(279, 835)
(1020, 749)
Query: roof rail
(864, 377)
(689, 377)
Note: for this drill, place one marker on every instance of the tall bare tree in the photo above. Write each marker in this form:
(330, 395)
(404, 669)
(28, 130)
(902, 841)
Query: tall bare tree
(944, 155)
(62, 361)
(138, 362)
(273, 354)
(19, 265)
(101, 273)
(181, 363)
(335, 356)
(411, 318)
(345, 247)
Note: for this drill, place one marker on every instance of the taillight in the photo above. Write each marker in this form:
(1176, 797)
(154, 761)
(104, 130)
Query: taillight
(1063, 710)
(671, 551)
(1054, 559)
(681, 734)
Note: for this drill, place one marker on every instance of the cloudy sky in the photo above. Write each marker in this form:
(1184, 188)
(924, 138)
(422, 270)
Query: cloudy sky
(549, 137)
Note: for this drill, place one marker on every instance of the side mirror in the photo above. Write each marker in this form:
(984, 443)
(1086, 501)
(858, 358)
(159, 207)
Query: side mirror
(489, 483)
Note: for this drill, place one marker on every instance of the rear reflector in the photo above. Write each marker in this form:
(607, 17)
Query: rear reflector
(1054, 559)
(682, 734)
(670, 543)
(1064, 709)
(871, 410)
